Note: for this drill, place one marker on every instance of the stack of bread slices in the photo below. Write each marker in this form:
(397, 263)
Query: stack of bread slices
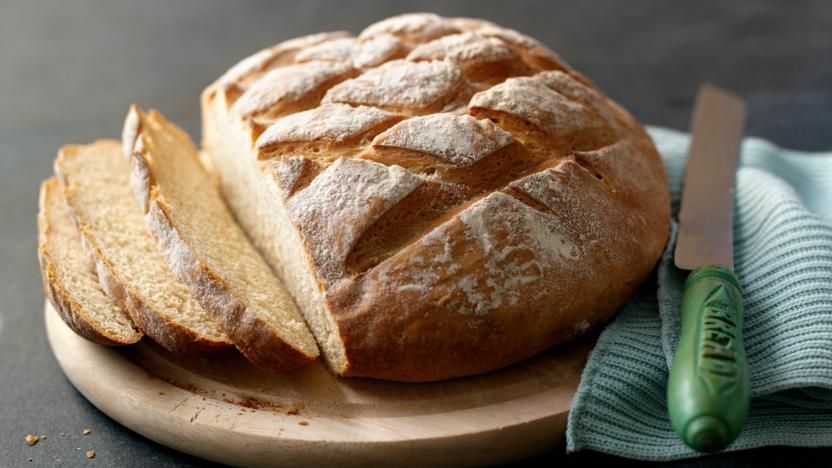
(135, 239)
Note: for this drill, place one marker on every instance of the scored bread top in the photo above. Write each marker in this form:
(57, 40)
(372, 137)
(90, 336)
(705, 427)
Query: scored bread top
(471, 173)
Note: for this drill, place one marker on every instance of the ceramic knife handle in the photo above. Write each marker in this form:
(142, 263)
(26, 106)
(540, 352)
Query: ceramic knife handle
(708, 392)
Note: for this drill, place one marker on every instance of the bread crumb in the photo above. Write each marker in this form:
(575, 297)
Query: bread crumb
(87, 431)
(90, 453)
(31, 439)
(296, 407)
(303, 423)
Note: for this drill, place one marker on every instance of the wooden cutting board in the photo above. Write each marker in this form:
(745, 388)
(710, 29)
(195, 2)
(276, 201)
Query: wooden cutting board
(226, 410)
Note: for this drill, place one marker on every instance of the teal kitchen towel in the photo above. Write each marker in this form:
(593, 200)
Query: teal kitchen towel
(783, 257)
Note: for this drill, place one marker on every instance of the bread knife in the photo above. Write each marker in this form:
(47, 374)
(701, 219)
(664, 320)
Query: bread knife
(708, 392)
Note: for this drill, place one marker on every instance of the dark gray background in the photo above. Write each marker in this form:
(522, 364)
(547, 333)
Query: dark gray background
(69, 69)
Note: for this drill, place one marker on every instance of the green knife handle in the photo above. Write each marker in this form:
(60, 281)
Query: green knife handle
(708, 392)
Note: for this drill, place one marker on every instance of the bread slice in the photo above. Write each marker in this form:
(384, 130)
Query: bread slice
(69, 278)
(208, 250)
(95, 181)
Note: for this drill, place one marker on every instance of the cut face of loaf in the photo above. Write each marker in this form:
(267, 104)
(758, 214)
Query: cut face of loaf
(69, 277)
(445, 210)
(208, 250)
(95, 182)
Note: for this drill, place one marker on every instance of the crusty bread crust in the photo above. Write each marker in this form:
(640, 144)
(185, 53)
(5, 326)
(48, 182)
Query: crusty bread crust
(255, 338)
(513, 208)
(170, 334)
(72, 312)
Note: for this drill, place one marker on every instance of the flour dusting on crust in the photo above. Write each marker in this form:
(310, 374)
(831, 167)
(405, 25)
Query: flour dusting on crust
(503, 245)
(284, 86)
(572, 89)
(529, 99)
(521, 222)
(330, 122)
(458, 139)
(412, 27)
(345, 199)
(365, 53)
(401, 84)
(277, 55)
(378, 49)
(533, 51)
(463, 48)
(288, 172)
(521, 246)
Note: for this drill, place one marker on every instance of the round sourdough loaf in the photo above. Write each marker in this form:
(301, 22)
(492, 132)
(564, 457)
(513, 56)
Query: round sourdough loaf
(441, 196)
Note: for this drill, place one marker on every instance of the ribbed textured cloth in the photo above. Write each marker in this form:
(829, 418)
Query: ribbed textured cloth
(783, 258)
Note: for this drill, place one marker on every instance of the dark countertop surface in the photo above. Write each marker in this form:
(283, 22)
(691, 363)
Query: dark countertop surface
(68, 71)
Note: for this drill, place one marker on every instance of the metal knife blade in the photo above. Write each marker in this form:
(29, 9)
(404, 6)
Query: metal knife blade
(706, 215)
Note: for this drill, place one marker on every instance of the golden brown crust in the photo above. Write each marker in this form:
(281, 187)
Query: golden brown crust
(515, 206)
(171, 335)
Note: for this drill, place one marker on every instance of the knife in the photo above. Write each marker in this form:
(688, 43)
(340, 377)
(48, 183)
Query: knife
(708, 392)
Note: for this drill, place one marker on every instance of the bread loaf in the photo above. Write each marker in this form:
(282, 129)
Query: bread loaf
(442, 197)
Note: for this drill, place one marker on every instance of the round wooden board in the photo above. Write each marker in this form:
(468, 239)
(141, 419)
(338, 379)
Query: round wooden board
(226, 410)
